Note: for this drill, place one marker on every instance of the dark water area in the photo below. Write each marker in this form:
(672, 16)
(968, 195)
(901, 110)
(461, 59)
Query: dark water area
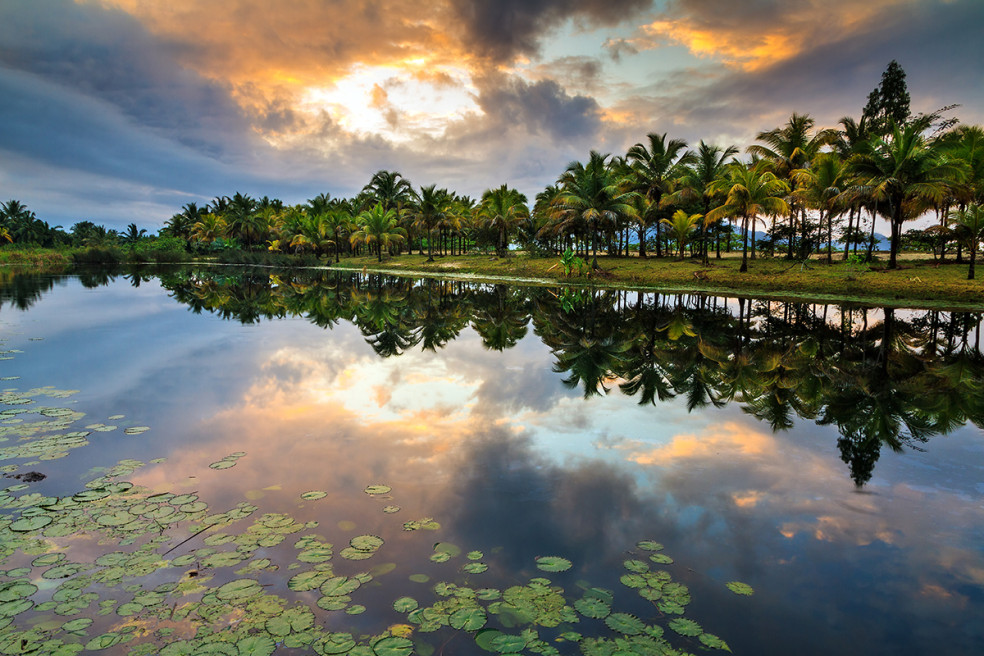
(829, 457)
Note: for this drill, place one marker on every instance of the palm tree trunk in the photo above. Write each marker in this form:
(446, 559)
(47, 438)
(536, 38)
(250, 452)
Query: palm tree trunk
(744, 245)
(830, 236)
(973, 257)
(849, 233)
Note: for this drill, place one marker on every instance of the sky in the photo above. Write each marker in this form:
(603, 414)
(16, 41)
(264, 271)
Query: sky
(120, 111)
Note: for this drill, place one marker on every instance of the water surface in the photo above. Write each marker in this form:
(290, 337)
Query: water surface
(829, 457)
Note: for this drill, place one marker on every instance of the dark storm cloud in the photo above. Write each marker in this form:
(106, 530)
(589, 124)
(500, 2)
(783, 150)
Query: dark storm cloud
(503, 29)
(542, 106)
(107, 55)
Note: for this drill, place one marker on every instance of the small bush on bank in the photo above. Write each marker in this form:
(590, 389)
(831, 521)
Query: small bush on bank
(98, 255)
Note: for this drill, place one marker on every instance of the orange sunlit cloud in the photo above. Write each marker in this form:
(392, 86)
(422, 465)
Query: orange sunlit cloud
(729, 438)
(752, 43)
(290, 67)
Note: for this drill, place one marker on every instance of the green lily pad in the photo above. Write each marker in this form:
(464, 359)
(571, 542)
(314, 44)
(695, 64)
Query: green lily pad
(336, 643)
(14, 590)
(712, 641)
(468, 619)
(474, 568)
(256, 645)
(238, 590)
(339, 585)
(366, 542)
(625, 623)
(314, 494)
(405, 605)
(553, 564)
(593, 608)
(508, 644)
(392, 646)
(104, 641)
(740, 588)
(26, 524)
(375, 490)
(685, 627)
(649, 545)
(391, 509)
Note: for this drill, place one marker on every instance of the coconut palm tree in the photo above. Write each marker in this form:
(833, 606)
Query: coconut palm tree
(430, 210)
(681, 225)
(591, 193)
(906, 175)
(969, 223)
(792, 147)
(822, 188)
(653, 170)
(695, 184)
(750, 191)
(501, 210)
(209, 228)
(378, 226)
(132, 235)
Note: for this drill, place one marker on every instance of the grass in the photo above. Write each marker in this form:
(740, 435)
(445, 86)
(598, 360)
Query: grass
(917, 281)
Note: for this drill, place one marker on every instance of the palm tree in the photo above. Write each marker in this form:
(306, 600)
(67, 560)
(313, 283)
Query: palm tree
(970, 226)
(681, 225)
(501, 210)
(822, 187)
(591, 194)
(906, 175)
(244, 220)
(132, 235)
(751, 191)
(695, 184)
(792, 147)
(319, 204)
(378, 226)
(431, 209)
(209, 228)
(338, 219)
(181, 224)
(653, 170)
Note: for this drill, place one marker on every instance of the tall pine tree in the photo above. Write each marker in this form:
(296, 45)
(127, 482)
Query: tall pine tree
(888, 103)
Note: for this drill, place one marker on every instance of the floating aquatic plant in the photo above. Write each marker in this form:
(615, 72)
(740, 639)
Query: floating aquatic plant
(185, 579)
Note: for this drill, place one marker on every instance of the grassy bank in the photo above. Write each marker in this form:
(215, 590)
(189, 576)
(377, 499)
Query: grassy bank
(918, 281)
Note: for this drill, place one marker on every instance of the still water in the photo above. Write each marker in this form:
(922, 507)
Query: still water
(458, 445)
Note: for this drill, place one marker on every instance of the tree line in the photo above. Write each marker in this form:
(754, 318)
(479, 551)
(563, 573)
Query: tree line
(798, 191)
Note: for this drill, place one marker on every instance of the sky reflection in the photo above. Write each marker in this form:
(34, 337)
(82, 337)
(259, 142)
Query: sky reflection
(511, 462)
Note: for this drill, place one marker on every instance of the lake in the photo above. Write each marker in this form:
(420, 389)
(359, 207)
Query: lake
(240, 461)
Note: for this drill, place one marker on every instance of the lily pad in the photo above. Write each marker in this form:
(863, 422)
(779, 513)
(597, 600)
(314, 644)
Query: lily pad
(685, 627)
(740, 588)
(238, 590)
(392, 646)
(314, 494)
(256, 645)
(25, 524)
(553, 564)
(468, 619)
(366, 542)
(376, 490)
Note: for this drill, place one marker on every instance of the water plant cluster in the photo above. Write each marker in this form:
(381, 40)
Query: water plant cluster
(118, 567)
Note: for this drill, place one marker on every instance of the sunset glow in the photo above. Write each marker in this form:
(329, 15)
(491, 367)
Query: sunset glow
(167, 102)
